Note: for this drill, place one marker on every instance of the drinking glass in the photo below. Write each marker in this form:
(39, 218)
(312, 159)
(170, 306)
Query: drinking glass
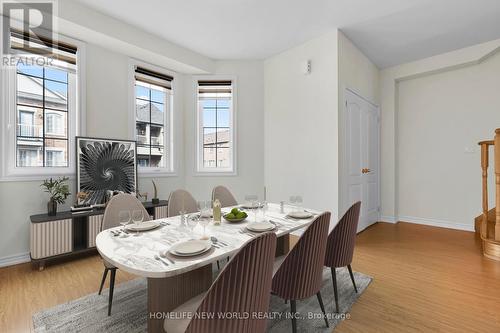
(204, 221)
(124, 218)
(298, 199)
(182, 214)
(293, 200)
(137, 218)
(204, 207)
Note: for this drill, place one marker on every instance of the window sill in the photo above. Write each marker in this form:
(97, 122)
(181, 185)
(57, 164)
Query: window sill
(35, 177)
(215, 174)
(155, 173)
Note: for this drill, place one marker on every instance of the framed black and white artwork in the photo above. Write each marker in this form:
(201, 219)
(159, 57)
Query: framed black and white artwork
(104, 166)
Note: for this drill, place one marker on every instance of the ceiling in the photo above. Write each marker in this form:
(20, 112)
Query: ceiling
(389, 32)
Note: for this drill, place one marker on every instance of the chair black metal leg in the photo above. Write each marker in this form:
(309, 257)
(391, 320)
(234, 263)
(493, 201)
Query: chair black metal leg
(218, 265)
(104, 275)
(293, 306)
(334, 279)
(320, 300)
(111, 289)
(352, 278)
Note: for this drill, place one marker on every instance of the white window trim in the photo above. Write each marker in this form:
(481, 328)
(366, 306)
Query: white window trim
(170, 109)
(8, 169)
(199, 170)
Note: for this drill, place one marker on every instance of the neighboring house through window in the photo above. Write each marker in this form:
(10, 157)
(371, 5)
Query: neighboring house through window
(215, 126)
(153, 99)
(44, 109)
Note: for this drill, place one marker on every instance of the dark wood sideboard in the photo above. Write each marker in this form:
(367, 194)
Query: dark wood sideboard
(69, 234)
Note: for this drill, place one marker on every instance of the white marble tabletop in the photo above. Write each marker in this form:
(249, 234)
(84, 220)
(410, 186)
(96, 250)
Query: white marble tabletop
(136, 254)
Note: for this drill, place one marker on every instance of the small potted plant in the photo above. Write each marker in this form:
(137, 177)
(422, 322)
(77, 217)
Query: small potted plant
(59, 192)
(155, 199)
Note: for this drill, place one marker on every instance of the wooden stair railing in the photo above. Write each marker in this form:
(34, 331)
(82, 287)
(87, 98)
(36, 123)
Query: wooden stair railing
(485, 159)
(489, 227)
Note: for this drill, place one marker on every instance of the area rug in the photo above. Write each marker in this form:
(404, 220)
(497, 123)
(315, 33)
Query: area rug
(89, 313)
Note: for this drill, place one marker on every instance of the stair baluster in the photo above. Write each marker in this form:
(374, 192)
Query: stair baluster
(484, 166)
(497, 181)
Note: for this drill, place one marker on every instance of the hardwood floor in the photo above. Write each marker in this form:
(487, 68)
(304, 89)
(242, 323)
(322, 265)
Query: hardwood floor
(426, 279)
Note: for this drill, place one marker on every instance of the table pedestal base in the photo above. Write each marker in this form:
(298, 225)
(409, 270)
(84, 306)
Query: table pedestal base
(283, 245)
(165, 294)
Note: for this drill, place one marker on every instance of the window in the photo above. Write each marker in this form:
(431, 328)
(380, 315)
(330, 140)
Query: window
(55, 124)
(43, 119)
(153, 98)
(215, 126)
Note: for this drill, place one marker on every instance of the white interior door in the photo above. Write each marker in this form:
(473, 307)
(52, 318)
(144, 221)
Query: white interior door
(362, 153)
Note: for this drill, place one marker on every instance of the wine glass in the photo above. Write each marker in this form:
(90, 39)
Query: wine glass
(264, 209)
(251, 199)
(137, 218)
(298, 199)
(124, 219)
(192, 221)
(201, 208)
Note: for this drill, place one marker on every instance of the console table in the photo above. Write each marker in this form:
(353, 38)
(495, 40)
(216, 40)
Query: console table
(70, 234)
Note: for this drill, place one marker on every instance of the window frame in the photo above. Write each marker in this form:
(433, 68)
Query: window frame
(9, 171)
(199, 169)
(170, 168)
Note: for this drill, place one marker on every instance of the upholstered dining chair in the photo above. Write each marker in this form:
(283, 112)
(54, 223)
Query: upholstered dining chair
(299, 274)
(225, 196)
(181, 200)
(119, 202)
(242, 287)
(340, 246)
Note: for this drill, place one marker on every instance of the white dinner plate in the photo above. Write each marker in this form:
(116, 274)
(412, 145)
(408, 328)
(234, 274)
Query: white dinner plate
(190, 248)
(249, 205)
(300, 214)
(143, 226)
(260, 226)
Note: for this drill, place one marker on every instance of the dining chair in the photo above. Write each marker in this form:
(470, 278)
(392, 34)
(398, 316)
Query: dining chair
(299, 274)
(225, 196)
(340, 246)
(119, 202)
(181, 200)
(243, 287)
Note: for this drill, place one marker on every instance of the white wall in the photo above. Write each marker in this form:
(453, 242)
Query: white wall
(358, 73)
(434, 110)
(249, 128)
(301, 124)
(106, 116)
(106, 108)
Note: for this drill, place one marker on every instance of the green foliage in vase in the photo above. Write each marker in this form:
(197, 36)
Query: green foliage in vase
(58, 189)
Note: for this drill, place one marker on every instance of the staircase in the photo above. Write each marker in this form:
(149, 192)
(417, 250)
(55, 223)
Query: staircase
(487, 224)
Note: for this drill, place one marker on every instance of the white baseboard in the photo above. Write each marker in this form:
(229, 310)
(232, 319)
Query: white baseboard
(15, 259)
(430, 222)
(388, 219)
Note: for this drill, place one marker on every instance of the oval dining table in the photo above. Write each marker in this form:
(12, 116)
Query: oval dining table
(172, 280)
